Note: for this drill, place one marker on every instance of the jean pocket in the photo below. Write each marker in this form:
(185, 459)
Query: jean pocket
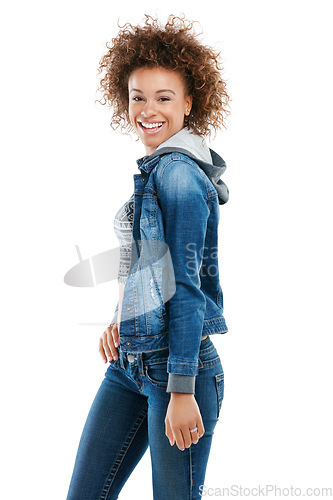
(114, 363)
(157, 374)
(219, 384)
(208, 357)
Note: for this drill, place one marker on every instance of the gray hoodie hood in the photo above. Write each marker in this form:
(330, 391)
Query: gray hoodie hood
(194, 146)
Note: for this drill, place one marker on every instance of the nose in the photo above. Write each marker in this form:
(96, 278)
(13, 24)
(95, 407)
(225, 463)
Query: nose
(148, 109)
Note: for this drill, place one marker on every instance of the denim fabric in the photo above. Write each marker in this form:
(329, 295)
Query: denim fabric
(176, 215)
(127, 415)
(173, 296)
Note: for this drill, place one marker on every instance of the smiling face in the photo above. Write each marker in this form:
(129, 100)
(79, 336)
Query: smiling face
(157, 104)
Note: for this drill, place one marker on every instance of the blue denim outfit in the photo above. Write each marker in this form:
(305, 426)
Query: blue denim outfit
(173, 296)
(127, 415)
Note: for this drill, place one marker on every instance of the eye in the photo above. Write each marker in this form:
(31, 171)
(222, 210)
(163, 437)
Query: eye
(165, 99)
(137, 98)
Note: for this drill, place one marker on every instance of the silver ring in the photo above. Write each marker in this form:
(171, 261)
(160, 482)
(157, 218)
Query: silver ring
(193, 430)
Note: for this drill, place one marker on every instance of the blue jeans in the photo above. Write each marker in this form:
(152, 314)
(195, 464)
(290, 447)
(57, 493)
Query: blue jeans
(128, 414)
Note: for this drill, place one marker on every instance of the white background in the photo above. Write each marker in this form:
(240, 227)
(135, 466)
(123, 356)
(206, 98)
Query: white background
(65, 173)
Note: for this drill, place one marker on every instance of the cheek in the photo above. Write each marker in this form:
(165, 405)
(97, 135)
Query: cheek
(174, 116)
(131, 115)
(178, 114)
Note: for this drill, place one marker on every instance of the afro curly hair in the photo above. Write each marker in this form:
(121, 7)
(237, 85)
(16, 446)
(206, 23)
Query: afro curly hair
(174, 46)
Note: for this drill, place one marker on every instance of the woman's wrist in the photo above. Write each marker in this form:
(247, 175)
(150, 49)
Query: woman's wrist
(179, 395)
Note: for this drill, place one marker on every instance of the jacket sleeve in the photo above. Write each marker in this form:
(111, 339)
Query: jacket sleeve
(183, 201)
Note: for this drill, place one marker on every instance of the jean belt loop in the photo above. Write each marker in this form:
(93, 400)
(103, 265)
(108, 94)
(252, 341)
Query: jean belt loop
(121, 358)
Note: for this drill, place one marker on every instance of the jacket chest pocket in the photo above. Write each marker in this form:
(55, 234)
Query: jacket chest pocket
(148, 210)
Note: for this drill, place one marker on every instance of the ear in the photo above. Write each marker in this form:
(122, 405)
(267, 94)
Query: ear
(188, 104)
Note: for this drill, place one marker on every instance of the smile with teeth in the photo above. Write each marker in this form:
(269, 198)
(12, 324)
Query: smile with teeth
(148, 125)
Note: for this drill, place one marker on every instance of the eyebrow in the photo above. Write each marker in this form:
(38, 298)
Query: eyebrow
(157, 92)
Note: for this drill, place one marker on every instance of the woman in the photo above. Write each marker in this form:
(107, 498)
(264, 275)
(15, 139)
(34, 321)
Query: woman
(165, 382)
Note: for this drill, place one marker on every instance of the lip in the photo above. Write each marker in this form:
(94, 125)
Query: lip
(151, 131)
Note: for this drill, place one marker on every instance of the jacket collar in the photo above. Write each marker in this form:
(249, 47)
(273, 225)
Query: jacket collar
(193, 145)
(145, 164)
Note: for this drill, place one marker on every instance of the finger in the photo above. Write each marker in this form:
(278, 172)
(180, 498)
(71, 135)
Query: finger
(179, 439)
(187, 436)
(115, 334)
(168, 432)
(110, 342)
(201, 429)
(101, 350)
(194, 435)
(107, 348)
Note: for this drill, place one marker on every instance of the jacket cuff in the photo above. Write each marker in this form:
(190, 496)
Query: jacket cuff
(181, 383)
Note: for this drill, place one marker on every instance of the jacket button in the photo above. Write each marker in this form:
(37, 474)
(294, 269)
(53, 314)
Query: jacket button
(129, 308)
(128, 343)
(143, 179)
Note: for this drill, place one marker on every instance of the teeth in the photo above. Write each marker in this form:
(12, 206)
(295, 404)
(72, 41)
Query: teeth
(151, 125)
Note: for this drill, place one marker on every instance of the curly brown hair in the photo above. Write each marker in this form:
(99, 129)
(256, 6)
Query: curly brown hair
(173, 47)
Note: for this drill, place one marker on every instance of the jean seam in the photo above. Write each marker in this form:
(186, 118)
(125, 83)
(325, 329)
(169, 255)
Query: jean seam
(219, 378)
(129, 376)
(203, 352)
(209, 363)
(106, 487)
(191, 475)
(161, 362)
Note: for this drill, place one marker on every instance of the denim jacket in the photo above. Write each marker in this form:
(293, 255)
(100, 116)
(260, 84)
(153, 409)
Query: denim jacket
(173, 296)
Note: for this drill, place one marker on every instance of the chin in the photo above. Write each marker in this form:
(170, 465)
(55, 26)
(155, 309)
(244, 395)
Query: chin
(153, 143)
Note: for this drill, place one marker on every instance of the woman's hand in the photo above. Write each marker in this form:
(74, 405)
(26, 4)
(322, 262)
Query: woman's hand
(108, 343)
(182, 415)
